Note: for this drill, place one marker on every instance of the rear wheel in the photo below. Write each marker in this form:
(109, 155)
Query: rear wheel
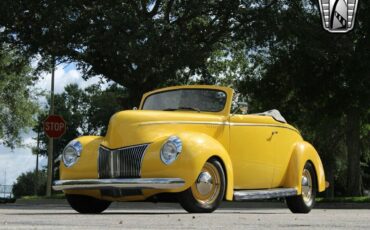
(304, 203)
(87, 204)
(207, 192)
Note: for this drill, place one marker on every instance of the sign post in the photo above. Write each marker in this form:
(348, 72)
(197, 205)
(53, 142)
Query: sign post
(54, 127)
(51, 141)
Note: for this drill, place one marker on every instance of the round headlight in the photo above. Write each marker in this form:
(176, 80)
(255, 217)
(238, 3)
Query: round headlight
(171, 149)
(71, 153)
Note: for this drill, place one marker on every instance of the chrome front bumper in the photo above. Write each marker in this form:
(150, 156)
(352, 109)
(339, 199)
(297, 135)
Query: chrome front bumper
(136, 183)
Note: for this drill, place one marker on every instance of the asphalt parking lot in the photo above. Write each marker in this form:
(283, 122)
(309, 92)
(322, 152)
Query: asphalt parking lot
(265, 215)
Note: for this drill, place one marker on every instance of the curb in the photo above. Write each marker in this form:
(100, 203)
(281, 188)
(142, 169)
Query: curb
(224, 205)
(41, 202)
(281, 204)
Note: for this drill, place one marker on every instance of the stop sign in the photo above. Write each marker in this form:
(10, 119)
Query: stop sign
(54, 126)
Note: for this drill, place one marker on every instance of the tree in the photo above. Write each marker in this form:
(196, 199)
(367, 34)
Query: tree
(25, 184)
(286, 60)
(102, 104)
(319, 79)
(86, 112)
(138, 44)
(275, 52)
(17, 101)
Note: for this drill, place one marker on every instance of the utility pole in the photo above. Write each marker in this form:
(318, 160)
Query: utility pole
(51, 140)
(3, 186)
(37, 158)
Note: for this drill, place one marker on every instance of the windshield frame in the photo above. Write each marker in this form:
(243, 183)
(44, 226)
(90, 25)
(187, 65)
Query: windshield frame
(228, 92)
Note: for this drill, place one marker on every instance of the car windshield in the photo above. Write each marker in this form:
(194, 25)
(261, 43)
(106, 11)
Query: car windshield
(206, 100)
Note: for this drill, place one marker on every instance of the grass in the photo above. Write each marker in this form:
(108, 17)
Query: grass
(358, 199)
(361, 199)
(54, 196)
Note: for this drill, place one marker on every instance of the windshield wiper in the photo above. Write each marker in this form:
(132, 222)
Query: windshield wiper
(182, 108)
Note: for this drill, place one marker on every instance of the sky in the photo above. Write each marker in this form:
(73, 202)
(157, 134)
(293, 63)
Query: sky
(19, 160)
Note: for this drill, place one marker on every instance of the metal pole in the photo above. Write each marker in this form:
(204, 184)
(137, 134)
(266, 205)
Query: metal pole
(5, 183)
(50, 149)
(37, 159)
(4, 194)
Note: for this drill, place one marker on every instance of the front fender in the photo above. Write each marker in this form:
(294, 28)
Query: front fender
(303, 152)
(86, 166)
(197, 149)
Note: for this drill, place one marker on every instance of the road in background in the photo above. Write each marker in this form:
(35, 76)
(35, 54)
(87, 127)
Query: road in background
(58, 215)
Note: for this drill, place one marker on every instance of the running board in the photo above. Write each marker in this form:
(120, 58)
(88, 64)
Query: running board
(242, 195)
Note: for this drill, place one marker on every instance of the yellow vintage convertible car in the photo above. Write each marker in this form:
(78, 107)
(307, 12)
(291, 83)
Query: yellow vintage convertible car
(194, 144)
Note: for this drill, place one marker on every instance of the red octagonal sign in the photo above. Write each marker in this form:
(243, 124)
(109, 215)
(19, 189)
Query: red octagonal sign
(54, 126)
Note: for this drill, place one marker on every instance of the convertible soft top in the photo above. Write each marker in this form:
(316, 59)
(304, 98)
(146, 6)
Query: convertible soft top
(274, 113)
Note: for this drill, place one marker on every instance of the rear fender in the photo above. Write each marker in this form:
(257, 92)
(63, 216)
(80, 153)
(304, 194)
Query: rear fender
(304, 152)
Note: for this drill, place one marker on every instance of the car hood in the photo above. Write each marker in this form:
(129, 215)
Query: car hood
(133, 127)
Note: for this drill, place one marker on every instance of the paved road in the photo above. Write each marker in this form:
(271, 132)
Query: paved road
(171, 216)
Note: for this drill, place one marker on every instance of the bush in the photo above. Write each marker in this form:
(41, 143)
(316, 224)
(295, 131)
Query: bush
(27, 182)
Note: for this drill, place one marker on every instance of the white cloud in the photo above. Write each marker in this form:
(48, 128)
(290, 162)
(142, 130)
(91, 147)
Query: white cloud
(65, 75)
(20, 160)
(15, 162)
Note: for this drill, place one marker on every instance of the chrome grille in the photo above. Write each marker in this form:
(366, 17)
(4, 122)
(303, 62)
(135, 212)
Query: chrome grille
(121, 163)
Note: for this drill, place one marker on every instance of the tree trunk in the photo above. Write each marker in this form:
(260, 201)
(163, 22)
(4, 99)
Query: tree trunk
(353, 153)
(329, 176)
(134, 97)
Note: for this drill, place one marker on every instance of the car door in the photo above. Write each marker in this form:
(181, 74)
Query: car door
(283, 144)
(251, 152)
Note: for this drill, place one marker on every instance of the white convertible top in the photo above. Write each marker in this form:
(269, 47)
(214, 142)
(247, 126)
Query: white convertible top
(274, 113)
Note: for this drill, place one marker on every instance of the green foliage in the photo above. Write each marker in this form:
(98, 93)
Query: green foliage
(102, 105)
(355, 199)
(28, 183)
(228, 64)
(365, 149)
(275, 53)
(319, 80)
(17, 101)
(86, 112)
(57, 196)
(138, 44)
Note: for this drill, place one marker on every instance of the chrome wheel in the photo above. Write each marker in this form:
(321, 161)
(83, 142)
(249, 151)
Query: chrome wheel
(307, 187)
(208, 190)
(304, 202)
(207, 186)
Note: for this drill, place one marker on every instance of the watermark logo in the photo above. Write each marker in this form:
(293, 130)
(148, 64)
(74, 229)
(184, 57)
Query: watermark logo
(338, 16)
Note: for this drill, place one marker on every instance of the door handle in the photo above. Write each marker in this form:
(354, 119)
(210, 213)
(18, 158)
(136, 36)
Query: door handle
(272, 134)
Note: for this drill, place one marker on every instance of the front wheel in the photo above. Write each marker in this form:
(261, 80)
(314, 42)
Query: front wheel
(87, 204)
(207, 192)
(304, 203)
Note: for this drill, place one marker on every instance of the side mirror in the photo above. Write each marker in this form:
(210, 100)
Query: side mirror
(240, 107)
(243, 106)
